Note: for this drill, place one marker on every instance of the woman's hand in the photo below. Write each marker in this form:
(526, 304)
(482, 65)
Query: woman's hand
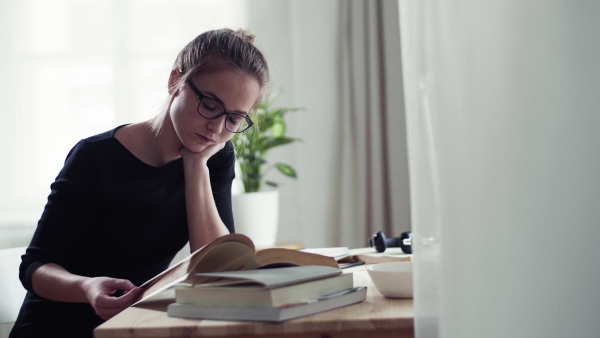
(203, 155)
(53, 282)
(99, 292)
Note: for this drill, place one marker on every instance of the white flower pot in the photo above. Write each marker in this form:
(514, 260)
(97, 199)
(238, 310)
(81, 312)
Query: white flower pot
(256, 215)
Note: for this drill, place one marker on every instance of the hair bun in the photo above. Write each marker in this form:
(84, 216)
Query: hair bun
(246, 35)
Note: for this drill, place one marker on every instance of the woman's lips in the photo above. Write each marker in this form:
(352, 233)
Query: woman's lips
(205, 140)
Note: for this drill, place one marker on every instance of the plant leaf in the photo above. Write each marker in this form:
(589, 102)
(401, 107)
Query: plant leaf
(254, 176)
(255, 161)
(272, 184)
(270, 142)
(286, 169)
(278, 128)
(282, 111)
(267, 132)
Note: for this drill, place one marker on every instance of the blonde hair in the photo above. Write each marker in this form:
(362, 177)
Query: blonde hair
(221, 49)
(217, 50)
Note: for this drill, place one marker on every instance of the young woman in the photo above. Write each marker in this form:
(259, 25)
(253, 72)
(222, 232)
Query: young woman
(127, 200)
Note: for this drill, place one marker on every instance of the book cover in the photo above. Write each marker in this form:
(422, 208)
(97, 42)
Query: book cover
(255, 295)
(270, 314)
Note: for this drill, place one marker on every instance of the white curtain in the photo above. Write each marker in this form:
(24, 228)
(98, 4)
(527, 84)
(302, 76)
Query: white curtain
(502, 101)
(372, 166)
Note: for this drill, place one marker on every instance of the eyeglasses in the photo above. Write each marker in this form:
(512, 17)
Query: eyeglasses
(211, 109)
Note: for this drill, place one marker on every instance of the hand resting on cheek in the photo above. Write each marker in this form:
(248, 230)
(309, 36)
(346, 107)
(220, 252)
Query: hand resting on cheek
(202, 156)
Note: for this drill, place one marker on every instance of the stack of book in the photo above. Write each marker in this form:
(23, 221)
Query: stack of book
(272, 294)
(229, 279)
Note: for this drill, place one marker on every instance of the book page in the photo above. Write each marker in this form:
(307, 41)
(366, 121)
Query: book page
(225, 252)
(279, 257)
(335, 252)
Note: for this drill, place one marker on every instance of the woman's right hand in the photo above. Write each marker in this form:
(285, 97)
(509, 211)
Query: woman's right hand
(100, 290)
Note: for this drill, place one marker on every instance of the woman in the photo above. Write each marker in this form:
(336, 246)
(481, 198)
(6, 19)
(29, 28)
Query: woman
(127, 200)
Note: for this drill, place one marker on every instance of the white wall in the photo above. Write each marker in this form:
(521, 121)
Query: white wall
(307, 36)
(503, 144)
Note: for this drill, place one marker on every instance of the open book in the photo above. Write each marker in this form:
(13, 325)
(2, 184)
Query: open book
(231, 252)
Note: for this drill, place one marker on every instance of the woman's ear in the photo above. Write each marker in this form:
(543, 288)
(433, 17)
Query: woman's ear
(173, 81)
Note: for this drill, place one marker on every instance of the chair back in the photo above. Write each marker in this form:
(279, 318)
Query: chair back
(12, 292)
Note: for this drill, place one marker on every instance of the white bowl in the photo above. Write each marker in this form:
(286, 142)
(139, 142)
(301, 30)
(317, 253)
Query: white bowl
(392, 279)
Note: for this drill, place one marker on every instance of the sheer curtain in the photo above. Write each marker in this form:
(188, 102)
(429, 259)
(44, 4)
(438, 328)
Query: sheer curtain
(502, 101)
(372, 166)
(73, 68)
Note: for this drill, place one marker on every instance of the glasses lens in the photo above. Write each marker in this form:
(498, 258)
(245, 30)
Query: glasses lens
(210, 108)
(236, 122)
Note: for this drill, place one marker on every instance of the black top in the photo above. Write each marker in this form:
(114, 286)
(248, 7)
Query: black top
(110, 214)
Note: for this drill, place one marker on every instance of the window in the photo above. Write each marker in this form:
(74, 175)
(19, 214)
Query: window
(75, 68)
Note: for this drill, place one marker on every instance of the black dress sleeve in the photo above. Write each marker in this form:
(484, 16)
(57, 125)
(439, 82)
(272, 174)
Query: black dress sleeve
(63, 221)
(222, 172)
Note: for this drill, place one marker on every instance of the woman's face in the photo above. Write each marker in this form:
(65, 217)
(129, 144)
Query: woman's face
(235, 90)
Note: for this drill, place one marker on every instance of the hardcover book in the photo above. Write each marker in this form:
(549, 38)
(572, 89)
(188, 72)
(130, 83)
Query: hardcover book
(266, 288)
(270, 314)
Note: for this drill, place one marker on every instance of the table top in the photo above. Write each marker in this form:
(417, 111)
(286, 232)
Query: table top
(386, 317)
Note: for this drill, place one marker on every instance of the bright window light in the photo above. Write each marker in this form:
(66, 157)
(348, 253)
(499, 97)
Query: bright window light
(81, 67)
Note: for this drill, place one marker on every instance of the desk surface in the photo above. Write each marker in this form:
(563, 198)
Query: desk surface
(385, 317)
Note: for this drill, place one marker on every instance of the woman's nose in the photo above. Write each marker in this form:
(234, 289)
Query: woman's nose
(217, 125)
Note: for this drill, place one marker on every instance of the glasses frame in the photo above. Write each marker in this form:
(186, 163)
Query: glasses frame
(224, 112)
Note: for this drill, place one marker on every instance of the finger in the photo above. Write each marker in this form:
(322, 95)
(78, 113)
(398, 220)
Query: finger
(113, 287)
(109, 312)
(134, 294)
(106, 301)
(109, 302)
(120, 284)
(220, 146)
(214, 149)
(184, 151)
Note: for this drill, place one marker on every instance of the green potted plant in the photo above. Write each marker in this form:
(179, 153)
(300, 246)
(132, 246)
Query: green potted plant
(256, 210)
(252, 145)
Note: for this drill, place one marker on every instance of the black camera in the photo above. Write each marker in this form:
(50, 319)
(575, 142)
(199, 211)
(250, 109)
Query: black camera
(381, 243)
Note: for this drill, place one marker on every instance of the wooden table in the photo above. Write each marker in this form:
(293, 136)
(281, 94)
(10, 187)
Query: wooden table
(376, 317)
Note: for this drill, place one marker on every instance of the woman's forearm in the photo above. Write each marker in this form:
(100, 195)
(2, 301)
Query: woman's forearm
(204, 222)
(53, 282)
